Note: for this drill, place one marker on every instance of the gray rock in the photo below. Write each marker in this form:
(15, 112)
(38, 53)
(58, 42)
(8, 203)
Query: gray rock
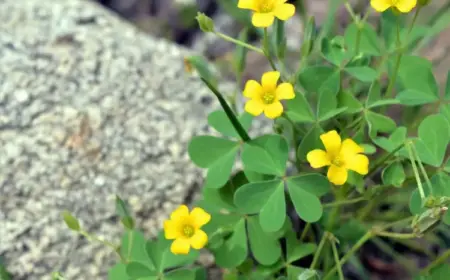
(89, 108)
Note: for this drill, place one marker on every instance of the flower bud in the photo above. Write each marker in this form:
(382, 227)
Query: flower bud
(206, 23)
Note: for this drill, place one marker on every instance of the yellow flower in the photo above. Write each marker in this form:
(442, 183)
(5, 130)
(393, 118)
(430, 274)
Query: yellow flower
(404, 6)
(265, 11)
(340, 156)
(184, 227)
(265, 97)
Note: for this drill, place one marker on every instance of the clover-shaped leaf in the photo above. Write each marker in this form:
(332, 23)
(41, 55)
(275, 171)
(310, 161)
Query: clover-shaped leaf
(364, 73)
(368, 39)
(306, 204)
(267, 154)
(394, 174)
(216, 154)
(234, 251)
(264, 246)
(220, 122)
(434, 136)
(312, 78)
(299, 109)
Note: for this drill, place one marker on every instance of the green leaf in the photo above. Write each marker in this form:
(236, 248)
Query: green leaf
(384, 102)
(273, 213)
(444, 109)
(306, 205)
(388, 28)
(364, 74)
(416, 73)
(299, 109)
(267, 154)
(217, 154)
(133, 249)
(128, 222)
(252, 197)
(71, 222)
(434, 135)
(349, 101)
(394, 175)
(136, 270)
(327, 102)
(220, 122)
(180, 274)
(306, 274)
(297, 250)
(234, 251)
(379, 123)
(118, 272)
(368, 43)
(314, 183)
(351, 231)
(374, 94)
(441, 272)
(397, 138)
(412, 97)
(265, 248)
(253, 176)
(310, 142)
(205, 151)
(124, 214)
(312, 78)
(159, 252)
(279, 39)
(333, 52)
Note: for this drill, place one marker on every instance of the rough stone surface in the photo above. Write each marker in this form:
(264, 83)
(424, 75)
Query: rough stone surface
(89, 108)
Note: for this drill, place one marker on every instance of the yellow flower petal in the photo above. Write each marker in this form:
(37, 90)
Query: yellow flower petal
(381, 5)
(200, 217)
(405, 6)
(269, 80)
(337, 175)
(247, 4)
(262, 19)
(349, 148)
(254, 107)
(180, 246)
(284, 11)
(252, 88)
(285, 91)
(171, 230)
(318, 158)
(358, 163)
(199, 239)
(180, 213)
(332, 142)
(273, 110)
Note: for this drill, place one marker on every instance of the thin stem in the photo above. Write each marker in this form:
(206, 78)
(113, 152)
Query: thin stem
(442, 258)
(416, 172)
(266, 50)
(104, 242)
(344, 202)
(396, 235)
(350, 253)
(236, 124)
(416, 14)
(305, 232)
(422, 169)
(336, 259)
(319, 250)
(398, 60)
(237, 42)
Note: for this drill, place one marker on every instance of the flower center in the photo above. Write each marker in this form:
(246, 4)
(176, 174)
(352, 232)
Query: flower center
(338, 161)
(188, 231)
(266, 6)
(268, 97)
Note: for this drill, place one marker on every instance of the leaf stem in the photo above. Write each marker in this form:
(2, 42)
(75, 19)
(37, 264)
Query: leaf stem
(422, 168)
(305, 232)
(336, 259)
(319, 250)
(442, 258)
(344, 202)
(238, 42)
(416, 172)
(383, 159)
(266, 49)
(350, 253)
(390, 88)
(234, 121)
(104, 242)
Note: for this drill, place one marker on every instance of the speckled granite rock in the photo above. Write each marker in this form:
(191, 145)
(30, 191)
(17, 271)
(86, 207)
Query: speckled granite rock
(89, 107)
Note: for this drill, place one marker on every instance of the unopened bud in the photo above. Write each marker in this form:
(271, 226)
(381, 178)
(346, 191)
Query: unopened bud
(206, 23)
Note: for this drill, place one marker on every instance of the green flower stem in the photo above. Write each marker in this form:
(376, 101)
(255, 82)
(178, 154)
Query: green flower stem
(305, 232)
(441, 259)
(400, 50)
(336, 259)
(380, 161)
(238, 42)
(416, 172)
(104, 242)
(319, 250)
(335, 211)
(396, 235)
(416, 15)
(364, 212)
(422, 168)
(344, 202)
(236, 124)
(350, 253)
(266, 49)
